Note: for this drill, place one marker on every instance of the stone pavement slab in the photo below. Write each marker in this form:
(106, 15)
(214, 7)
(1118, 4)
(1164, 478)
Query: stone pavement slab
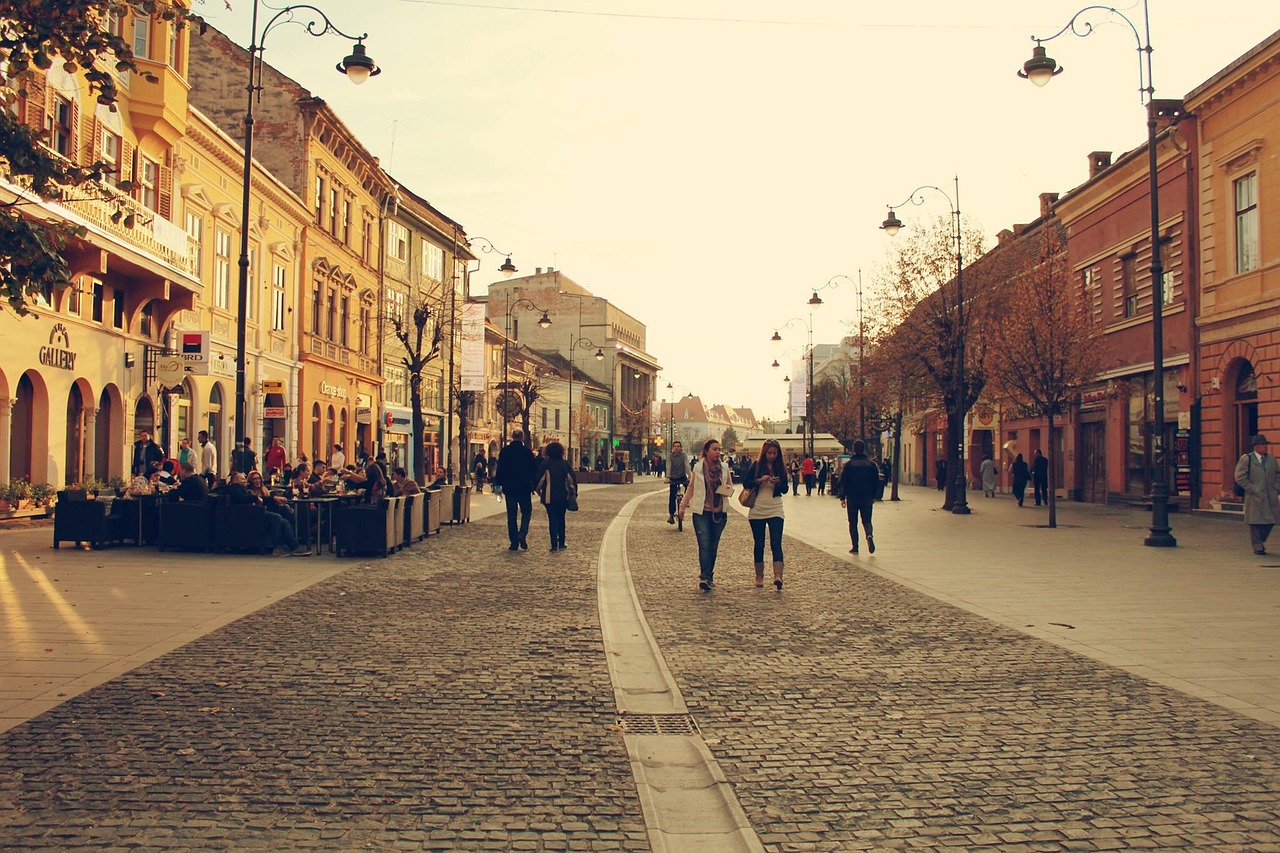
(852, 712)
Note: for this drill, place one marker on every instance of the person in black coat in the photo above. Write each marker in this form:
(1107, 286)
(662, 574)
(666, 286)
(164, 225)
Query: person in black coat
(859, 485)
(1021, 475)
(146, 453)
(555, 485)
(517, 473)
(1040, 477)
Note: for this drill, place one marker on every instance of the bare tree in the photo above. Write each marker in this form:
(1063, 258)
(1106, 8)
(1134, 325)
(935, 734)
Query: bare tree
(419, 326)
(1047, 346)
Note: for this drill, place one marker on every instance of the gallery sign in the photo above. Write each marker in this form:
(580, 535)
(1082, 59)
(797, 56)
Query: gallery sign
(58, 353)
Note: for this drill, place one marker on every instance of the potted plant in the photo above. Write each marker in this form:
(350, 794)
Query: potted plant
(19, 494)
(42, 493)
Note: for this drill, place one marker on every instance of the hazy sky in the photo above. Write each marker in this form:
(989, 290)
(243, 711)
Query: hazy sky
(705, 164)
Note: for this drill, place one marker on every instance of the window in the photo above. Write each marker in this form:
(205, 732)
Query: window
(346, 320)
(1167, 276)
(251, 286)
(175, 44)
(148, 174)
(117, 308)
(557, 419)
(98, 296)
(317, 305)
(544, 417)
(319, 200)
(59, 126)
(141, 35)
(222, 269)
(333, 211)
(333, 314)
(346, 223)
(1246, 196)
(366, 327)
(279, 277)
(195, 239)
(432, 261)
(396, 304)
(148, 321)
(1129, 284)
(366, 242)
(397, 241)
(109, 154)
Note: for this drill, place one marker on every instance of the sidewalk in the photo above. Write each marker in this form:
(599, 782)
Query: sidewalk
(1203, 617)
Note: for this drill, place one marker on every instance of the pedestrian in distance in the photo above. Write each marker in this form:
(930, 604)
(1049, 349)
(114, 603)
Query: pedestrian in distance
(338, 459)
(940, 472)
(859, 484)
(1040, 478)
(709, 485)
(795, 476)
(517, 473)
(988, 470)
(480, 470)
(243, 459)
(809, 471)
(820, 471)
(677, 476)
(146, 452)
(556, 486)
(768, 476)
(1258, 476)
(1021, 476)
(276, 459)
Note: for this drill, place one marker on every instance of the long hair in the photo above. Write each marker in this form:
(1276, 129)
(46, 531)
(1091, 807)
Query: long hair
(778, 468)
(554, 450)
(706, 445)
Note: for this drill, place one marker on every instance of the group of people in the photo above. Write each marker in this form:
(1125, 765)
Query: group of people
(519, 475)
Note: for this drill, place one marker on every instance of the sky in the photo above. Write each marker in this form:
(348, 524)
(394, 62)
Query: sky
(706, 164)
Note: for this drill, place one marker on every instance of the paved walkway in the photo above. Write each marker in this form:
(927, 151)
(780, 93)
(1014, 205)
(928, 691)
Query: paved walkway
(457, 696)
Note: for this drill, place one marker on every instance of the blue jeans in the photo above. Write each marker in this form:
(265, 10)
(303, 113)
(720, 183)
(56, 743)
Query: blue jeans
(519, 501)
(708, 526)
(758, 527)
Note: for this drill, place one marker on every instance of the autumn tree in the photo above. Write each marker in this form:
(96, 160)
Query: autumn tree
(919, 286)
(729, 439)
(584, 428)
(1047, 346)
(899, 383)
(74, 34)
(418, 325)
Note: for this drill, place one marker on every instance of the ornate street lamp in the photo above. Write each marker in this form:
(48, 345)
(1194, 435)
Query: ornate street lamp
(1040, 69)
(545, 322)
(891, 226)
(574, 343)
(808, 391)
(358, 67)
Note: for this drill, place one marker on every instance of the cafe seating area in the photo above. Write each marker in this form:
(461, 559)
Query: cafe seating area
(339, 524)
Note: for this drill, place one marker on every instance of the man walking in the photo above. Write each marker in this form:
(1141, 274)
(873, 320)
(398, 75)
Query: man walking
(1259, 476)
(208, 457)
(243, 459)
(808, 471)
(859, 485)
(1040, 477)
(517, 473)
(276, 460)
(677, 476)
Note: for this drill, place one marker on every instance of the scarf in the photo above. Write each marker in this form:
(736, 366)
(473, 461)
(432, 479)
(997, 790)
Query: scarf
(714, 476)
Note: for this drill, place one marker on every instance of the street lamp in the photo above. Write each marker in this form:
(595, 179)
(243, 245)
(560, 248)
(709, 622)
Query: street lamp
(808, 391)
(358, 66)
(574, 343)
(545, 322)
(507, 268)
(891, 226)
(1040, 69)
(833, 282)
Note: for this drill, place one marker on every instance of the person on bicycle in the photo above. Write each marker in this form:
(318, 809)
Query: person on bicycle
(677, 476)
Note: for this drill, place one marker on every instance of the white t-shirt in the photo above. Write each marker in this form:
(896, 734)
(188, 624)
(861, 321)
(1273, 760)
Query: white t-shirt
(338, 460)
(766, 505)
(209, 459)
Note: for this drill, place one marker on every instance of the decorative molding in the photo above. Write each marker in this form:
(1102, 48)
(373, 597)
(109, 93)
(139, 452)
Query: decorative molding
(1242, 157)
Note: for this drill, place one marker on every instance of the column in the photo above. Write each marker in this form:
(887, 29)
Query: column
(90, 461)
(6, 451)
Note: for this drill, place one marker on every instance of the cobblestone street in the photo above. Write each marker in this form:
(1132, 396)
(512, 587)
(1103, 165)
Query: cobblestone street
(456, 697)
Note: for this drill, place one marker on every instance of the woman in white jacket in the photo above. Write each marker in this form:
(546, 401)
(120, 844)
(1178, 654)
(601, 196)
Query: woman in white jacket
(710, 486)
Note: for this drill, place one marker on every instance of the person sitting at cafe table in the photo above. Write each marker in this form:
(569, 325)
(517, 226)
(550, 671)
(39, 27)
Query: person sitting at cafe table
(404, 484)
(282, 535)
(441, 479)
(371, 480)
(190, 487)
(165, 479)
(304, 483)
(277, 504)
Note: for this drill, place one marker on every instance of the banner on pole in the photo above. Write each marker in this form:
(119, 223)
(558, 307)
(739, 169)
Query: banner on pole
(473, 378)
(799, 384)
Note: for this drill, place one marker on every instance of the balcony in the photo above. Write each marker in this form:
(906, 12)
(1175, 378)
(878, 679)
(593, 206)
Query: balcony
(151, 233)
(159, 107)
(329, 351)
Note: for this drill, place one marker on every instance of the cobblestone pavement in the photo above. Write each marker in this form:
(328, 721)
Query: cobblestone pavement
(852, 713)
(453, 697)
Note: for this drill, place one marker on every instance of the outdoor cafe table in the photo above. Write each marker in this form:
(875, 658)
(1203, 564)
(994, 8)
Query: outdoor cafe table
(326, 505)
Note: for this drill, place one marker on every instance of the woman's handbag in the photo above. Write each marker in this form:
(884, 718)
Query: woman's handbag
(747, 497)
(571, 493)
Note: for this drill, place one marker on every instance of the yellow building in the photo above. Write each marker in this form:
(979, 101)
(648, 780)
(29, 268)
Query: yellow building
(77, 379)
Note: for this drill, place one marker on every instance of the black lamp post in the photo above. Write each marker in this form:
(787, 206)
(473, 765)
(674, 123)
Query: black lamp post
(891, 226)
(808, 391)
(507, 269)
(574, 343)
(1040, 69)
(358, 66)
(544, 321)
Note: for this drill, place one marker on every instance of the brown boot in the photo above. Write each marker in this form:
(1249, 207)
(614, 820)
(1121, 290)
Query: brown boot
(759, 574)
(777, 575)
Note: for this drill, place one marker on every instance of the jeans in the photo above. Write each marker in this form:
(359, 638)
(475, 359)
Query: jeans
(522, 501)
(808, 484)
(1042, 491)
(671, 495)
(281, 531)
(708, 526)
(775, 537)
(854, 511)
(555, 522)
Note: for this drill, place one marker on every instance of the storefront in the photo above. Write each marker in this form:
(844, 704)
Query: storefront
(397, 436)
(327, 409)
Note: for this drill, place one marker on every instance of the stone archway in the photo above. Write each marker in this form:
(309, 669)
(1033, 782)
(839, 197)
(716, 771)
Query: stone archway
(29, 431)
(109, 438)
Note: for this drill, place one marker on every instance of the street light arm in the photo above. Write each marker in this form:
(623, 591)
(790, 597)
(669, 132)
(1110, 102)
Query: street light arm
(916, 199)
(1081, 27)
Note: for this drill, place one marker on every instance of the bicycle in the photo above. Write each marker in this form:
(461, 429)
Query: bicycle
(680, 487)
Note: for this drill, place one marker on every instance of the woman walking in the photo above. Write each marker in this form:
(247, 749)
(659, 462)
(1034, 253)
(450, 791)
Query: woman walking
(710, 484)
(768, 475)
(988, 470)
(1021, 476)
(555, 486)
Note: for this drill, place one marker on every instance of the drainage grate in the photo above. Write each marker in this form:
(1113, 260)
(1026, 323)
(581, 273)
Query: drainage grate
(657, 724)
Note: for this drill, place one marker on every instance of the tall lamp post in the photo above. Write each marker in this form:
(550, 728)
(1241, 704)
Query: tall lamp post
(808, 391)
(358, 66)
(892, 225)
(1040, 69)
(574, 343)
(507, 269)
(544, 321)
(815, 301)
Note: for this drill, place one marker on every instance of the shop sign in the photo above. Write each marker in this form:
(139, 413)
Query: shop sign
(397, 419)
(1095, 399)
(58, 353)
(364, 415)
(193, 348)
(272, 412)
(334, 391)
(273, 386)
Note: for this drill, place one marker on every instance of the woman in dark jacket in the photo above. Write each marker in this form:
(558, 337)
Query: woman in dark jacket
(1021, 476)
(555, 484)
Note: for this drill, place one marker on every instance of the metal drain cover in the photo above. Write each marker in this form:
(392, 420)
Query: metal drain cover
(657, 724)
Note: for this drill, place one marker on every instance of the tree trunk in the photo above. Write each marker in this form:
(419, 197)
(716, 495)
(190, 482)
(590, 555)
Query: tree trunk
(419, 431)
(464, 464)
(1053, 486)
(897, 456)
(956, 478)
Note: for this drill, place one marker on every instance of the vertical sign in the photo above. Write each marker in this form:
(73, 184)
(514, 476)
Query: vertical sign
(1182, 462)
(799, 380)
(473, 378)
(193, 349)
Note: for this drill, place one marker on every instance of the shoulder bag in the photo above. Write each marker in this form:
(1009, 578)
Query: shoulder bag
(747, 497)
(571, 493)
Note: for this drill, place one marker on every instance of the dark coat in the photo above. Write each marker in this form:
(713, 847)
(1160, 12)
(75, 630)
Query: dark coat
(517, 469)
(559, 476)
(779, 488)
(1040, 469)
(1021, 473)
(144, 455)
(860, 480)
(193, 488)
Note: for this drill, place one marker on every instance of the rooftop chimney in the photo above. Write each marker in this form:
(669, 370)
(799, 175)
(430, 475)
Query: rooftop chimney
(1168, 111)
(1098, 161)
(1047, 201)
(537, 270)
